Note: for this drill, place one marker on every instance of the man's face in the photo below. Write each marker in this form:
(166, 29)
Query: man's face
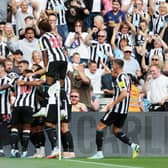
(101, 37)
(115, 69)
(29, 35)
(22, 67)
(52, 20)
(74, 98)
(24, 6)
(155, 72)
(17, 57)
(76, 58)
(127, 55)
(116, 6)
(93, 68)
(8, 66)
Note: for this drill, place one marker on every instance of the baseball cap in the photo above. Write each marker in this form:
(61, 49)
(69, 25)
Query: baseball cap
(127, 48)
(18, 52)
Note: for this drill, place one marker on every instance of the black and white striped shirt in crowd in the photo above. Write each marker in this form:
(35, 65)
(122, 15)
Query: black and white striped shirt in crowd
(59, 6)
(122, 83)
(127, 36)
(52, 44)
(25, 95)
(99, 52)
(4, 50)
(158, 22)
(139, 39)
(156, 51)
(136, 18)
(5, 96)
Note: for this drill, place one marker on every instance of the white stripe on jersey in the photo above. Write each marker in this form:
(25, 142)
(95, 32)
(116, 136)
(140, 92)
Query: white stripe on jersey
(25, 95)
(5, 96)
(98, 52)
(59, 6)
(158, 22)
(53, 46)
(136, 18)
(127, 36)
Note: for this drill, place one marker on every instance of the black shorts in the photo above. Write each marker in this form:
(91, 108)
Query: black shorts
(52, 115)
(22, 115)
(117, 119)
(38, 121)
(57, 69)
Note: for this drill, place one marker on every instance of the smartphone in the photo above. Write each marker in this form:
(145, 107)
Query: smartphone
(135, 5)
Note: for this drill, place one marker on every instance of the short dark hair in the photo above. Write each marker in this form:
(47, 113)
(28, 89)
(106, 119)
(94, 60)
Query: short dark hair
(26, 71)
(52, 14)
(38, 66)
(18, 52)
(24, 62)
(119, 62)
(45, 26)
(92, 62)
(30, 28)
(119, 1)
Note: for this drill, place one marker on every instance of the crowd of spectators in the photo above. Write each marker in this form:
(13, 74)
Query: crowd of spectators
(91, 33)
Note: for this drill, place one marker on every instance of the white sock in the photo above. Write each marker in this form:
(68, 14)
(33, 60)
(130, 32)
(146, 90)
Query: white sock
(133, 145)
(1, 150)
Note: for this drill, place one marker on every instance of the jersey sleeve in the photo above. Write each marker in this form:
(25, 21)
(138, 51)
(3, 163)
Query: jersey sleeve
(122, 83)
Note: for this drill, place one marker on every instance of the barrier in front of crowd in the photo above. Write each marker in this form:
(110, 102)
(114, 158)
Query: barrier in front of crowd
(147, 129)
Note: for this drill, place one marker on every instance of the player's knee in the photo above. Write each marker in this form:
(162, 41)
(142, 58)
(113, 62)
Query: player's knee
(100, 126)
(118, 134)
(115, 130)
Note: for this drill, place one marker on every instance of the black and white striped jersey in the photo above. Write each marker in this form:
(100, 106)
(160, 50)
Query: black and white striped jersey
(53, 45)
(156, 51)
(25, 95)
(136, 18)
(4, 50)
(121, 83)
(5, 107)
(128, 36)
(59, 6)
(99, 52)
(158, 22)
(139, 39)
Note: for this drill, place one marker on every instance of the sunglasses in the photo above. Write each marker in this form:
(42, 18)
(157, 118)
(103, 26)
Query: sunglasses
(154, 59)
(127, 51)
(78, 25)
(101, 36)
(73, 96)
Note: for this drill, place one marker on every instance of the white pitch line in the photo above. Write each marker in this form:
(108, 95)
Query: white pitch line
(102, 164)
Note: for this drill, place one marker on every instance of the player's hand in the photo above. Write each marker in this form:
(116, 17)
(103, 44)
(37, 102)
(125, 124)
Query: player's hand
(162, 101)
(109, 106)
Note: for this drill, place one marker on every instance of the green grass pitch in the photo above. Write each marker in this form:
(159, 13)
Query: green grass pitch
(141, 162)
